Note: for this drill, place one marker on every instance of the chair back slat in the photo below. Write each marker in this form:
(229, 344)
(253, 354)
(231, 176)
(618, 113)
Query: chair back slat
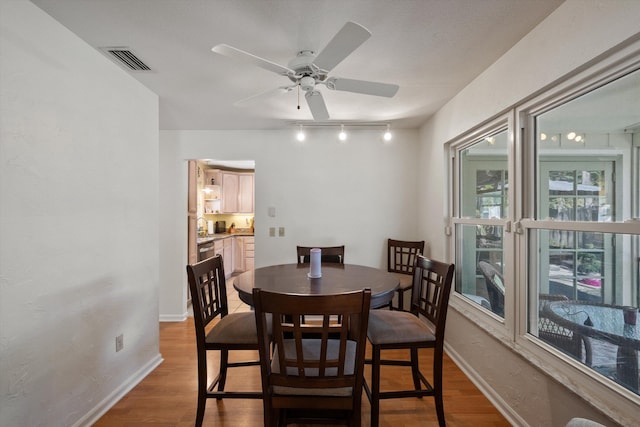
(402, 254)
(431, 288)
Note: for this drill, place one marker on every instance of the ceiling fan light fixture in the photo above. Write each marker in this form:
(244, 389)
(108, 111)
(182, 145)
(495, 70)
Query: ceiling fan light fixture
(307, 83)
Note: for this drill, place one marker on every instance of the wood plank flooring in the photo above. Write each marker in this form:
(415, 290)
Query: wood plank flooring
(167, 397)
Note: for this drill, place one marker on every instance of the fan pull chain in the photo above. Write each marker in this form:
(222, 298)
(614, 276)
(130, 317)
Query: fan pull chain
(298, 87)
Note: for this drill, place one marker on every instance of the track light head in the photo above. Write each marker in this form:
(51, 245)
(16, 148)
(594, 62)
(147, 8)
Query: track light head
(342, 135)
(387, 134)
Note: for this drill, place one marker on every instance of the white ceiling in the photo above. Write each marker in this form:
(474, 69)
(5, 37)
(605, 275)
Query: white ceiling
(430, 48)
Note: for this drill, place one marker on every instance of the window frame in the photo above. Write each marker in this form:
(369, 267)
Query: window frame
(605, 394)
(480, 315)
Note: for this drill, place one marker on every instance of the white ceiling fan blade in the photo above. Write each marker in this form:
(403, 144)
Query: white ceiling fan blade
(317, 105)
(263, 95)
(362, 86)
(232, 52)
(341, 45)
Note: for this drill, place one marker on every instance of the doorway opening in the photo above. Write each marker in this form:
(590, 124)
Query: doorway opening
(220, 214)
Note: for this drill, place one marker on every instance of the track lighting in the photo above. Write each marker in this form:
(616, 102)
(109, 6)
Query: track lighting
(342, 135)
(300, 135)
(387, 134)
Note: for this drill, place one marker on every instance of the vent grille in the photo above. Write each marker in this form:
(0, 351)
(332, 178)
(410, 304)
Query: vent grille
(126, 58)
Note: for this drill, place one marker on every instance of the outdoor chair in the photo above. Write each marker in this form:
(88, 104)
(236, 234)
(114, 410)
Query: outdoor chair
(495, 286)
(568, 341)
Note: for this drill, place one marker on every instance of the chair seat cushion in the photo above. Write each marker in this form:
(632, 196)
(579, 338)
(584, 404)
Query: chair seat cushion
(395, 327)
(234, 328)
(311, 350)
(406, 280)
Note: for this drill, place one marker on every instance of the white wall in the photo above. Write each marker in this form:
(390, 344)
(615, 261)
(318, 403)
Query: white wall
(325, 193)
(78, 224)
(577, 32)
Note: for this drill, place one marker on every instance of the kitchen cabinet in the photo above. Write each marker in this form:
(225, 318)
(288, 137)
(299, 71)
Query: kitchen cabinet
(237, 192)
(227, 256)
(238, 254)
(230, 187)
(224, 247)
(248, 253)
(243, 252)
(245, 193)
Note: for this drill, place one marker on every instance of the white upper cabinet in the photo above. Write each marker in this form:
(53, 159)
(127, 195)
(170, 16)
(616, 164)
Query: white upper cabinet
(230, 186)
(237, 192)
(245, 193)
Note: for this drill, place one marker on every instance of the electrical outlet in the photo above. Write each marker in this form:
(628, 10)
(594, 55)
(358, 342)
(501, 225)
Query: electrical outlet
(119, 342)
(281, 231)
(272, 232)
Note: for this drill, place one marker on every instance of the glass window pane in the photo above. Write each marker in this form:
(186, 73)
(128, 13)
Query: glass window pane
(479, 261)
(580, 281)
(578, 298)
(484, 179)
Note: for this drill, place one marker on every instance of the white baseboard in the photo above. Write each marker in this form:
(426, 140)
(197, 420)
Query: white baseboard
(108, 402)
(497, 401)
(174, 317)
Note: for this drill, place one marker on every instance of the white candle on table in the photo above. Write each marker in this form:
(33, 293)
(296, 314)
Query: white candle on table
(316, 262)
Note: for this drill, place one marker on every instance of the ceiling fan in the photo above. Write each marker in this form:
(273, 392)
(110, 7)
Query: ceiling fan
(307, 70)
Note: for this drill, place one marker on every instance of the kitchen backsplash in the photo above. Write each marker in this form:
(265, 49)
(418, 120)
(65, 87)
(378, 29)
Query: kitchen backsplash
(241, 221)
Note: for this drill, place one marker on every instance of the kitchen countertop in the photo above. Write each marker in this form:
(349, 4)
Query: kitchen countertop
(218, 236)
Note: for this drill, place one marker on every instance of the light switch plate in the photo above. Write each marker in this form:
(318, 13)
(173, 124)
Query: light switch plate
(281, 231)
(272, 232)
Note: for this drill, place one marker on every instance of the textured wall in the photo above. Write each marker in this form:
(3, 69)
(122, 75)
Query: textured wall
(78, 223)
(357, 193)
(576, 33)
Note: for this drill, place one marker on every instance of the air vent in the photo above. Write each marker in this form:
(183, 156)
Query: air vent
(126, 58)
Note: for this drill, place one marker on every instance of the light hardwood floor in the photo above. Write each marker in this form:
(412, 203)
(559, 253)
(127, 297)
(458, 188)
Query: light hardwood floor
(167, 397)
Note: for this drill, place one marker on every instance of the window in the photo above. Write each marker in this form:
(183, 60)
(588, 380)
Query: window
(484, 206)
(558, 209)
(582, 260)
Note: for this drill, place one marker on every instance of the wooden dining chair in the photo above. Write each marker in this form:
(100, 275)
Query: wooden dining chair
(421, 327)
(235, 331)
(314, 371)
(401, 256)
(331, 254)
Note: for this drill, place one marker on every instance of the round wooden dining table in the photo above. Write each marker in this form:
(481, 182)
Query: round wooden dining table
(336, 279)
